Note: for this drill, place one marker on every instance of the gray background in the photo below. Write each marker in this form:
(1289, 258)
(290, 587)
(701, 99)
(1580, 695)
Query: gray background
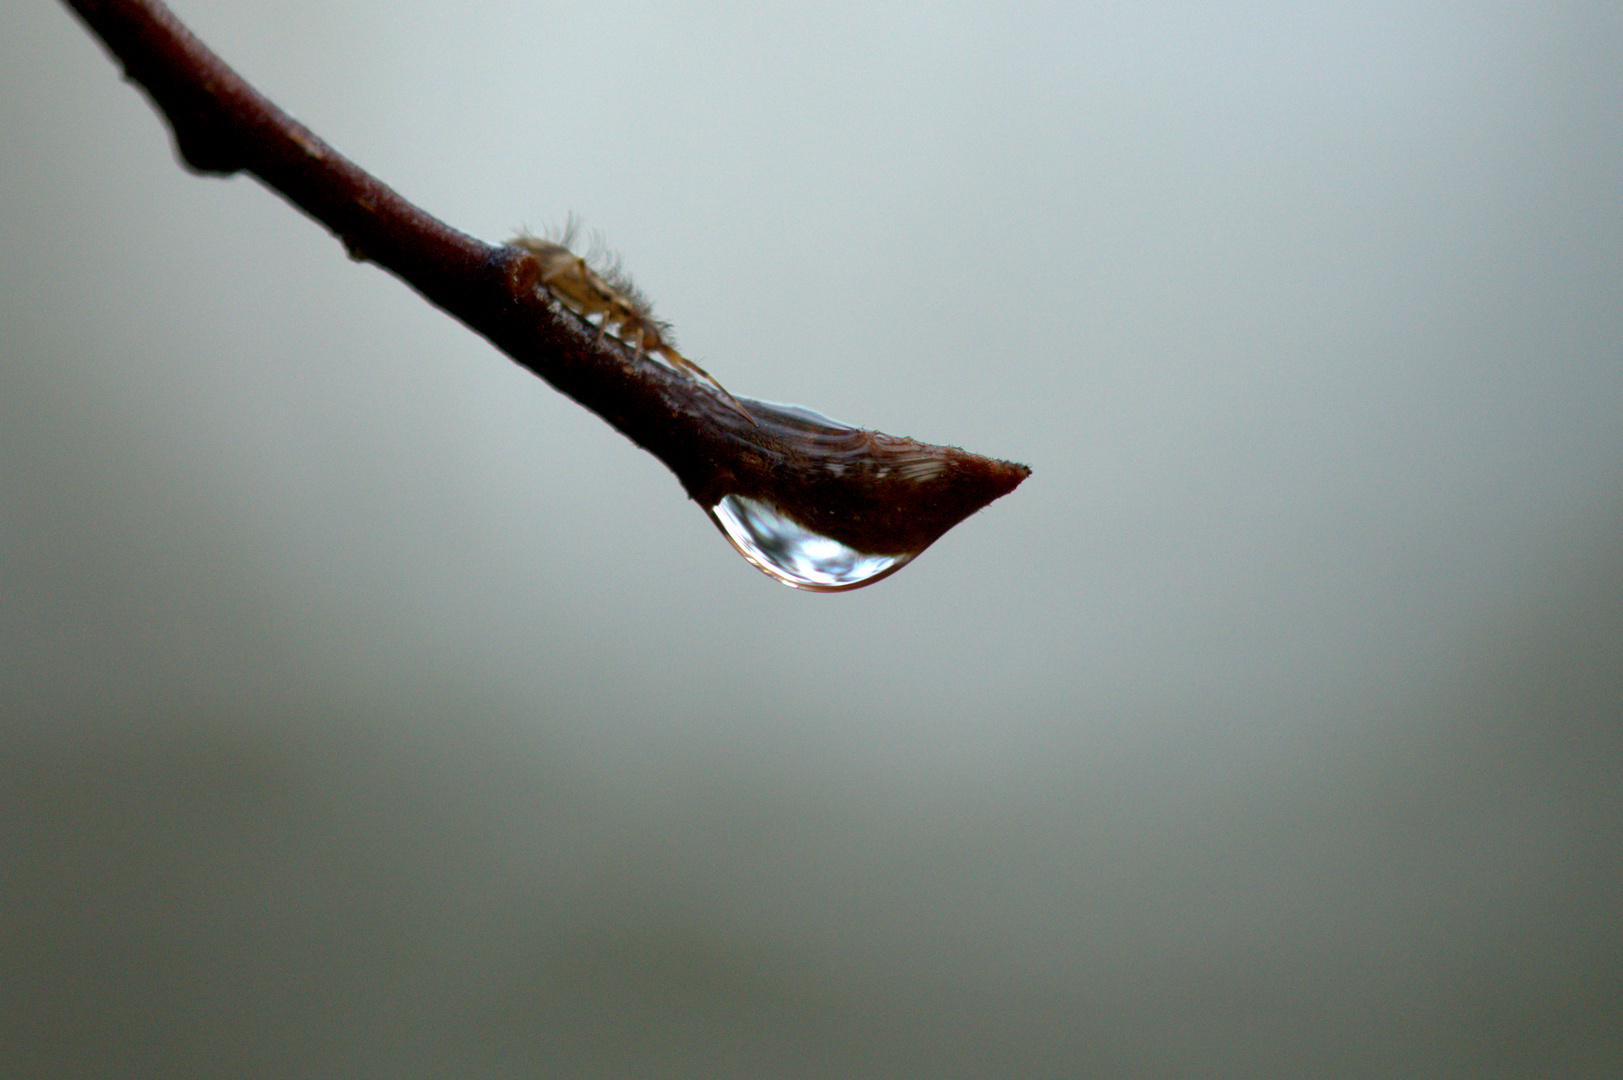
(370, 709)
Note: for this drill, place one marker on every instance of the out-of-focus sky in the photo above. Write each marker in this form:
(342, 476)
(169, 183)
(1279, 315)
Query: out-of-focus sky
(369, 708)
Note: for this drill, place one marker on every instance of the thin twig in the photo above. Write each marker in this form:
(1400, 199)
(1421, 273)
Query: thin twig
(873, 492)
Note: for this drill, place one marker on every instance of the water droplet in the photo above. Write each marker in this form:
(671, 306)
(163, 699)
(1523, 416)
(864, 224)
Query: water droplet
(797, 556)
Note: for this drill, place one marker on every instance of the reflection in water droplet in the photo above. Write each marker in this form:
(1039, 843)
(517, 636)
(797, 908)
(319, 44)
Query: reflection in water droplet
(792, 553)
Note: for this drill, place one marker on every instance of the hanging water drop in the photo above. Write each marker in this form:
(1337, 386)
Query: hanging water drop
(783, 548)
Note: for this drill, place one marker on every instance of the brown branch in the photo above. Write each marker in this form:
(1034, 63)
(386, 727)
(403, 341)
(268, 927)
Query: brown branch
(875, 494)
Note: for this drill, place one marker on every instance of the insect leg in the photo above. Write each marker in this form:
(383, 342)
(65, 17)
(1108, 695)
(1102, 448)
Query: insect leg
(699, 374)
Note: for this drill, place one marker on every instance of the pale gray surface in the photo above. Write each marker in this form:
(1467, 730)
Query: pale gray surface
(372, 710)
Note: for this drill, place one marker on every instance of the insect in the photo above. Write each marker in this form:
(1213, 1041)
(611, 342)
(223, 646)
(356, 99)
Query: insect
(607, 293)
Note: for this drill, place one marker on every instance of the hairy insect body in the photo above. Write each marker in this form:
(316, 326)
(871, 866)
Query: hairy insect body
(609, 296)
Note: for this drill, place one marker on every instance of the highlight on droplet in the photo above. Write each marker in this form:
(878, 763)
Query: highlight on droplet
(784, 549)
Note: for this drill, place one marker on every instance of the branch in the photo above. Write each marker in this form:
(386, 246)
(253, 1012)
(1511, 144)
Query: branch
(778, 485)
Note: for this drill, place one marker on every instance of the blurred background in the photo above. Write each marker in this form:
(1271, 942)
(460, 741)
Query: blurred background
(371, 710)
